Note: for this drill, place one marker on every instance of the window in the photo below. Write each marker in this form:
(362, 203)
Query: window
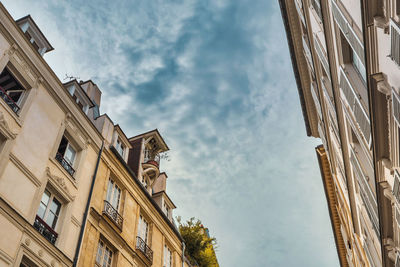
(11, 91)
(143, 231)
(113, 194)
(167, 256)
(47, 216)
(104, 255)
(166, 209)
(120, 147)
(66, 155)
(358, 65)
(49, 209)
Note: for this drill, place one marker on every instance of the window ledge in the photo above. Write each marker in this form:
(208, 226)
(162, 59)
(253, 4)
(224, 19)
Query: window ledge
(16, 118)
(66, 174)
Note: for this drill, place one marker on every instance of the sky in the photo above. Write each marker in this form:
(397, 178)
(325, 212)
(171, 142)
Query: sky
(215, 78)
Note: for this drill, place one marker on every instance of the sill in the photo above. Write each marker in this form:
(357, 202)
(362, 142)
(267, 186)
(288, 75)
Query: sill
(66, 174)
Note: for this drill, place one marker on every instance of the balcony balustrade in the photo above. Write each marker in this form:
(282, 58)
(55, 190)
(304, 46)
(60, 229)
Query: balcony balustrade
(113, 214)
(60, 158)
(149, 158)
(45, 230)
(144, 248)
(9, 101)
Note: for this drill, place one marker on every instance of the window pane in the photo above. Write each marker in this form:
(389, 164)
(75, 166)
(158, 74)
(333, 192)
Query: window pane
(109, 190)
(41, 210)
(70, 154)
(99, 252)
(116, 193)
(63, 145)
(50, 220)
(55, 206)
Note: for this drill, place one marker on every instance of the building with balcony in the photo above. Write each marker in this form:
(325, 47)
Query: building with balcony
(48, 153)
(130, 220)
(345, 57)
(74, 189)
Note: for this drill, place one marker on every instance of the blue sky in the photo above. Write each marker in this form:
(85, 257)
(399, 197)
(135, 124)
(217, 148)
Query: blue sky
(215, 78)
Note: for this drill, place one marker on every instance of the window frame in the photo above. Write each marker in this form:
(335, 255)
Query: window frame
(104, 247)
(110, 197)
(167, 250)
(143, 219)
(48, 206)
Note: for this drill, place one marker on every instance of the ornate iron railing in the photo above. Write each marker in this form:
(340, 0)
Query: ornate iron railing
(144, 248)
(113, 214)
(149, 158)
(44, 229)
(8, 100)
(60, 158)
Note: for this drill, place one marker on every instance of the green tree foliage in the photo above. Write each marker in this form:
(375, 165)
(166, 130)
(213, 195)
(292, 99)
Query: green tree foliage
(199, 246)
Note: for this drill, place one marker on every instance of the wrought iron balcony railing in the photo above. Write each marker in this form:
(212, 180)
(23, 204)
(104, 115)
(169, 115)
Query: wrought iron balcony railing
(60, 158)
(149, 158)
(9, 101)
(113, 214)
(144, 248)
(44, 229)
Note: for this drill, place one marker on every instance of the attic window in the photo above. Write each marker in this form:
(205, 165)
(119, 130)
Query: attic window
(32, 41)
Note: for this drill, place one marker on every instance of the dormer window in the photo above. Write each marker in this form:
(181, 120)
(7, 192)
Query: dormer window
(78, 98)
(166, 209)
(120, 147)
(34, 36)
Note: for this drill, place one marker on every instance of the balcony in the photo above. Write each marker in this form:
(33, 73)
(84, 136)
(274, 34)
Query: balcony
(9, 101)
(45, 230)
(113, 214)
(150, 158)
(144, 249)
(353, 100)
(60, 158)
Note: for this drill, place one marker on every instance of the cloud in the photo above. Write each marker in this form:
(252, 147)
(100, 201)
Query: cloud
(215, 78)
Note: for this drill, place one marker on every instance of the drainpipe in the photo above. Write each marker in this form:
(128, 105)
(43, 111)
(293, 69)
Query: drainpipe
(183, 254)
(78, 247)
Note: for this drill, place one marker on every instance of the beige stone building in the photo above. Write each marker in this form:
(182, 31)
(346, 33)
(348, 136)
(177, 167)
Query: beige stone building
(74, 190)
(48, 152)
(346, 57)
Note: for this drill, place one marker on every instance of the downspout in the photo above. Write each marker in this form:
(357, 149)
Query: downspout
(183, 254)
(78, 247)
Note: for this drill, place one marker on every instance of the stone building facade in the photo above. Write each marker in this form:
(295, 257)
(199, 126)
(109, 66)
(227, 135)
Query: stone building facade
(346, 57)
(74, 190)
